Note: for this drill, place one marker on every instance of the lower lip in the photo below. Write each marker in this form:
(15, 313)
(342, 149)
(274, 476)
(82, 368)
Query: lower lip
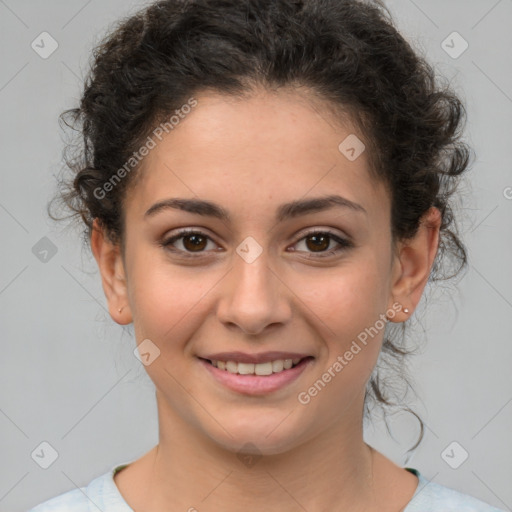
(256, 384)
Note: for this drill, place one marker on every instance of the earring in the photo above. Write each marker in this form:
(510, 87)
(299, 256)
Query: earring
(406, 310)
(120, 309)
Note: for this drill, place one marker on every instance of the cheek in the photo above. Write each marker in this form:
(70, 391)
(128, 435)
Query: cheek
(349, 313)
(164, 297)
(348, 303)
(349, 298)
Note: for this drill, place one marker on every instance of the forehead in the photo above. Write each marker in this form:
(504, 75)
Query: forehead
(270, 146)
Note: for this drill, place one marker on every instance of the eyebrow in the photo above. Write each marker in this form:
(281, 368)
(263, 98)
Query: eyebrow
(284, 212)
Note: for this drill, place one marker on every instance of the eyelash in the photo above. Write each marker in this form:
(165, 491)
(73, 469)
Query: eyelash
(343, 243)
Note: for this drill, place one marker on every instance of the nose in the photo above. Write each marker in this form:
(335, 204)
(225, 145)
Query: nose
(253, 297)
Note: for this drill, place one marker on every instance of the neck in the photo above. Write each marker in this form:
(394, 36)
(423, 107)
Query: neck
(332, 470)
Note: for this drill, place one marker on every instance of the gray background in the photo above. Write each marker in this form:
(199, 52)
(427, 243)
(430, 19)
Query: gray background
(68, 375)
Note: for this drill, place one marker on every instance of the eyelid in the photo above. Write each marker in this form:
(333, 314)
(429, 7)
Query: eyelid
(344, 242)
(315, 230)
(167, 241)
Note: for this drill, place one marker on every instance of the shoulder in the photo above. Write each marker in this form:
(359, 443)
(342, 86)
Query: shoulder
(432, 497)
(100, 494)
(72, 501)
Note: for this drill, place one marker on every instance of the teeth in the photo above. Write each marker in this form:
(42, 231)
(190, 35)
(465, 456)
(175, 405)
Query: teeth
(232, 367)
(245, 368)
(277, 366)
(263, 369)
(256, 369)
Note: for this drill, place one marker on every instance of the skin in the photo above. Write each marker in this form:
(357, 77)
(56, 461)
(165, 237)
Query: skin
(250, 156)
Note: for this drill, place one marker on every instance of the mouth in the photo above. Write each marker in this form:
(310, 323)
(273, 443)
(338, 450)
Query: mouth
(258, 378)
(261, 369)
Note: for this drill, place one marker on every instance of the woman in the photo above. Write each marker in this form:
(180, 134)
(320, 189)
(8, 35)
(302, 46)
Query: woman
(266, 190)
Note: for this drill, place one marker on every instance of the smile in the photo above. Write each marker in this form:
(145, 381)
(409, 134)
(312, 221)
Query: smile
(267, 368)
(256, 378)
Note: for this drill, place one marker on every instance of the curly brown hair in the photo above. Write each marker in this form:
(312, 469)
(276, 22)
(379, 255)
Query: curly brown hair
(348, 52)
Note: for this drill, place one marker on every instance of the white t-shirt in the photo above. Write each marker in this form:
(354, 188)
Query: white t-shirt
(103, 494)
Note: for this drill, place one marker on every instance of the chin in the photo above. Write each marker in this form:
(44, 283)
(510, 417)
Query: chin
(259, 435)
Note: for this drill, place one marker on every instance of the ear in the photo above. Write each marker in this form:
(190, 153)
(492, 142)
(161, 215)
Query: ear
(413, 262)
(110, 263)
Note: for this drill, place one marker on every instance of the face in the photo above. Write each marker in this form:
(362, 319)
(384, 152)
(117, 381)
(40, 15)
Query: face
(264, 282)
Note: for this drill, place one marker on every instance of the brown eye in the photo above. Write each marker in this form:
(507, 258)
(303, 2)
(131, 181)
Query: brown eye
(194, 242)
(188, 243)
(318, 242)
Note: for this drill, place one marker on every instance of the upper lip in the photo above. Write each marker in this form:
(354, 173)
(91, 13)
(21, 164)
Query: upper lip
(262, 357)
